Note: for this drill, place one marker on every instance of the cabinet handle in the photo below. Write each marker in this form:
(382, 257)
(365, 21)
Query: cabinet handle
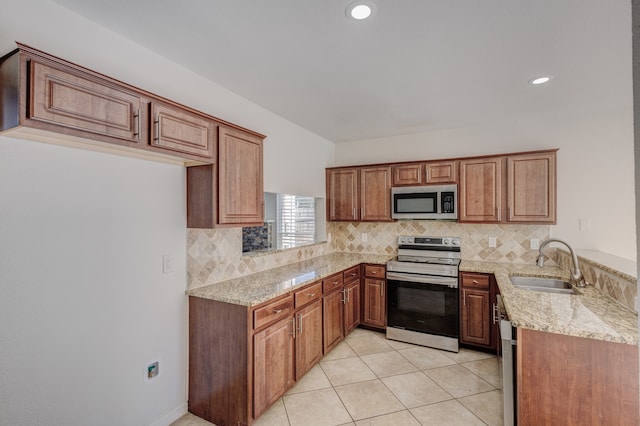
(496, 314)
(382, 289)
(300, 325)
(374, 272)
(312, 295)
(475, 281)
(498, 212)
(157, 135)
(277, 311)
(293, 327)
(344, 296)
(137, 118)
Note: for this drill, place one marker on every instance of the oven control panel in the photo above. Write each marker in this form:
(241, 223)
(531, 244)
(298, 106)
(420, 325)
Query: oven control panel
(429, 241)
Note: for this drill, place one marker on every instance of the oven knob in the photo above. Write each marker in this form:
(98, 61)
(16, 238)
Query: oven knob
(455, 242)
(446, 241)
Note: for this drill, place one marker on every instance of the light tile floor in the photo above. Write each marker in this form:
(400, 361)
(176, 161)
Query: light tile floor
(368, 380)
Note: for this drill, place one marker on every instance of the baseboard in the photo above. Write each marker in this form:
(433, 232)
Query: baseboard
(172, 416)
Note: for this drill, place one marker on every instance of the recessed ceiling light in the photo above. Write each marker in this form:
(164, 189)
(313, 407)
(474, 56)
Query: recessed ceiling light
(541, 80)
(360, 10)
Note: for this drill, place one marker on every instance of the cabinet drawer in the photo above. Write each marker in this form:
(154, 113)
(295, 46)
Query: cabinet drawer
(308, 294)
(374, 271)
(351, 274)
(272, 312)
(332, 282)
(475, 280)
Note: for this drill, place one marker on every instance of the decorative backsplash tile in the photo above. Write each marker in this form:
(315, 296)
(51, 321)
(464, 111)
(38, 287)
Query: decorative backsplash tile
(256, 238)
(618, 286)
(512, 241)
(216, 255)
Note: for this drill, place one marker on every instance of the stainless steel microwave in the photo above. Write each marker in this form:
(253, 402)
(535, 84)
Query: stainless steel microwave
(425, 202)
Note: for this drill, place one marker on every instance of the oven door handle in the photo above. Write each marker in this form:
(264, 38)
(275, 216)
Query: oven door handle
(423, 279)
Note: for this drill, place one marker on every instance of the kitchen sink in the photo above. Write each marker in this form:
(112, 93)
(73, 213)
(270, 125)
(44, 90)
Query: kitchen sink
(547, 285)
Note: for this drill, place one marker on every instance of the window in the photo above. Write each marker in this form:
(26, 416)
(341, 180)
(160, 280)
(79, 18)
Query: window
(296, 222)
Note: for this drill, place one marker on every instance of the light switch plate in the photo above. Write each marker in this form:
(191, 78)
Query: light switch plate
(493, 241)
(167, 264)
(534, 244)
(365, 238)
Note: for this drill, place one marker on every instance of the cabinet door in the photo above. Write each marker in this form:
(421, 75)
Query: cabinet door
(308, 337)
(332, 320)
(351, 306)
(273, 364)
(342, 194)
(444, 172)
(480, 190)
(241, 191)
(375, 303)
(178, 130)
(85, 105)
(476, 318)
(531, 188)
(375, 194)
(407, 174)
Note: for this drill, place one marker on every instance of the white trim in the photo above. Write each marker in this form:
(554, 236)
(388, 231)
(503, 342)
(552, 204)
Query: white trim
(172, 416)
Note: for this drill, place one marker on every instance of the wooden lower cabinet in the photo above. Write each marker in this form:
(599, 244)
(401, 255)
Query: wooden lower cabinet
(375, 303)
(308, 337)
(374, 296)
(332, 311)
(351, 306)
(478, 327)
(566, 380)
(273, 364)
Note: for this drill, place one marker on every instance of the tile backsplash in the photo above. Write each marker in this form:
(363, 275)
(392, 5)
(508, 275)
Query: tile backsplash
(216, 255)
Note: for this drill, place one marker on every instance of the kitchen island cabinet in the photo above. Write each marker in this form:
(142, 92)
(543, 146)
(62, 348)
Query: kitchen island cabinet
(575, 381)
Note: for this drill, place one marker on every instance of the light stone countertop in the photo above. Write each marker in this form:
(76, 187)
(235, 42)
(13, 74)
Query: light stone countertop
(589, 314)
(251, 290)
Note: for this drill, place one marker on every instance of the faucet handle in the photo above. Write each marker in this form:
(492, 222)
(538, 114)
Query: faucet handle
(540, 260)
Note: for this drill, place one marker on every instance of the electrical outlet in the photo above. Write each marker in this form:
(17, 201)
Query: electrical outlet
(584, 224)
(167, 264)
(493, 241)
(152, 371)
(534, 244)
(365, 238)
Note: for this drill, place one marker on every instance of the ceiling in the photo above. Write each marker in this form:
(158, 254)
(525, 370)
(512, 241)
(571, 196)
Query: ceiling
(415, 66)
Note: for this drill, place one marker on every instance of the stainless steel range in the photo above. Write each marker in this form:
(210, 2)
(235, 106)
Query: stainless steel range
(422, 295)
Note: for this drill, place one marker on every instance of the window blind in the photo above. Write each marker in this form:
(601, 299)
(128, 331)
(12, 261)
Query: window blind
(296, 220)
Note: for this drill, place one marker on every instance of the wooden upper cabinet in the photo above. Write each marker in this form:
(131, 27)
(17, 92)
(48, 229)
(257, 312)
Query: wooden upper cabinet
(407, 174)
(48, 99)
(425, 173)
(178, 130)
(531, 188)
(375, 194)
(480, 190)
(441, 172)
(240, 186)
(342, 194)
(79, 104)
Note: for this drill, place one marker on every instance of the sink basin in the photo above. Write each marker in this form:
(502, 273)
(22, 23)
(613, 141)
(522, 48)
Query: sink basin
(547, 285)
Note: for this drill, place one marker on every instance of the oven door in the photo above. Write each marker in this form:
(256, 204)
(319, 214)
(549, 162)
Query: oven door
(423, 303)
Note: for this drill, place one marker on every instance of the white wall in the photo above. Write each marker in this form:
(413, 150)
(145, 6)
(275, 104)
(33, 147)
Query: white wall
(595, 166)
(83, 303)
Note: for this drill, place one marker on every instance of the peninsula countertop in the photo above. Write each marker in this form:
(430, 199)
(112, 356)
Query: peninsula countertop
(251, 290)
(588, 313)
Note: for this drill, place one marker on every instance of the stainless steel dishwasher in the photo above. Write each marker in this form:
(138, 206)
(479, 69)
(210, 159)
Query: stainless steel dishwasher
(508, 363)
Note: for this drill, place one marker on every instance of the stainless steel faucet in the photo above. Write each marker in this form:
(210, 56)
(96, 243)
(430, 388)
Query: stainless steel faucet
(576, 275)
